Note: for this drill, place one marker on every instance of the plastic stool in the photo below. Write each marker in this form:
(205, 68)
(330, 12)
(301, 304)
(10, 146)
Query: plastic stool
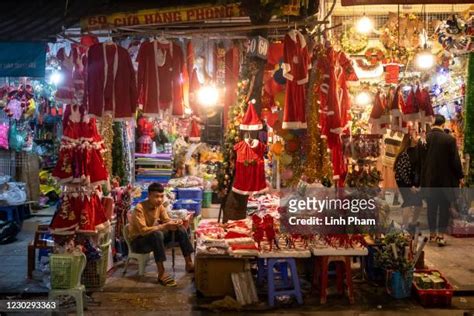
(282, 269)
(77, 293)
(343, 267)
(273, 290)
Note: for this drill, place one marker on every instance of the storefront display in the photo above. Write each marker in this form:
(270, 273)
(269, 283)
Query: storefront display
(277, 144)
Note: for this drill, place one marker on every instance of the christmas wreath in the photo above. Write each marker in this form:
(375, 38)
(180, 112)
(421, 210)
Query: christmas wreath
(353, 42)
(374, 55)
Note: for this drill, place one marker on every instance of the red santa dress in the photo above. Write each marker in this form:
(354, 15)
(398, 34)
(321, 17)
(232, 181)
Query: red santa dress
(249, 168)
(296, 63)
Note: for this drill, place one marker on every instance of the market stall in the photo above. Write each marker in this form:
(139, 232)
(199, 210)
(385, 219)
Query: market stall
(295, 137)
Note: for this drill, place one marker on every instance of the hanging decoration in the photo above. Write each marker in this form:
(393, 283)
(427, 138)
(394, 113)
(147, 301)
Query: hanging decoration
(455, 34)
(353, 42)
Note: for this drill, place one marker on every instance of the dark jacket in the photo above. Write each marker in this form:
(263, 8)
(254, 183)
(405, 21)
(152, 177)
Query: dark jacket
(441, 166)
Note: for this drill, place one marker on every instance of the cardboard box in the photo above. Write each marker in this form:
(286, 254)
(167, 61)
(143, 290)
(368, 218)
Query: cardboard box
(213, 274)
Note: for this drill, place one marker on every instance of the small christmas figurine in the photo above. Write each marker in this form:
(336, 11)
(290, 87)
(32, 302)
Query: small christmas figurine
(258, 229)
(269, 230)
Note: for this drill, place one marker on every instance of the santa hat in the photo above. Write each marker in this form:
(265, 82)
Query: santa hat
(410, 111)
(195, 131)
(379, 118)
(398, 123)
(251, 121)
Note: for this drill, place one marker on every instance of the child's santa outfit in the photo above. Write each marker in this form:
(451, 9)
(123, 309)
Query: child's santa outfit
(249, 165)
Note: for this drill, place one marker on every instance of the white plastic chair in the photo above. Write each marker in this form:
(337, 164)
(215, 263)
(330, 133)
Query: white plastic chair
(142, 258)
(77, 292)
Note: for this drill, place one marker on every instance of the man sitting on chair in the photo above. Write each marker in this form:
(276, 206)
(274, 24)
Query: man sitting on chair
(151, 229)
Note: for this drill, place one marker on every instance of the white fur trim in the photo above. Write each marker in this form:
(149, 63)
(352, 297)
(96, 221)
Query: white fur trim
(294, 125)
(249, 192)
(195, 139)
(253, 127)
(286, 71)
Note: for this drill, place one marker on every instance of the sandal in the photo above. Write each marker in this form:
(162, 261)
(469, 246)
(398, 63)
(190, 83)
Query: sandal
(167, 281)
(440, 241)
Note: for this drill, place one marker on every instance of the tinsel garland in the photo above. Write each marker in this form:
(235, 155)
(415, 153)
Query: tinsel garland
(318, 163)
(469, 118)
(127, 179)
(106, 130)
(118, 166)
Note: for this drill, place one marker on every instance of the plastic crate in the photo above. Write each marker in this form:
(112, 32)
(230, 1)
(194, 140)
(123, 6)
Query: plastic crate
(66, 270)
(189, 205)
(95, 273)
(433, 297)
(189, 194)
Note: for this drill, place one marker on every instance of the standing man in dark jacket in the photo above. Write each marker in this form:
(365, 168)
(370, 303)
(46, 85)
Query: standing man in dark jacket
(441, 173)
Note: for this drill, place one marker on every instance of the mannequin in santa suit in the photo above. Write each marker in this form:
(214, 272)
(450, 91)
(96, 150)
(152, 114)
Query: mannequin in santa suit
(296, 63)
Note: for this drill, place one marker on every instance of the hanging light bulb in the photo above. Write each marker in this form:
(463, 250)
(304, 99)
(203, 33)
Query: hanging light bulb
(425, 60)
(363, 98)
(208, 96)
(364, 25)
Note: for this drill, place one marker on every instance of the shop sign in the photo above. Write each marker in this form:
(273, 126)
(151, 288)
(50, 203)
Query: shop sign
(258, 46)
(22, 59)
(163, 16)
(376, 2)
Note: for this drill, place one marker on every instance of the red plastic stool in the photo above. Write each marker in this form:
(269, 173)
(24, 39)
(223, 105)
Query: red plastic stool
(343, 269)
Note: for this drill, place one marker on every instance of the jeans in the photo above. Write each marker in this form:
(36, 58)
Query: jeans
(157, 241)
(438, 202)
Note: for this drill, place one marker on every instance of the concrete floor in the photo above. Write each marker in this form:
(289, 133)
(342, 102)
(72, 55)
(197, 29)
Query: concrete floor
(132, 295)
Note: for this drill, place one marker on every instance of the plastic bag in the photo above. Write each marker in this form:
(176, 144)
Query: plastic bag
(4, 128)
(16, 138)
(14, 195)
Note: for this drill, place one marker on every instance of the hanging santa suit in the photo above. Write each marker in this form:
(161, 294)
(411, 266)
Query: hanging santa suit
(411, 112)
(379, 116)
(398, 122)
(249, 168)
(296, 63)
(160, 65)
(110, 85)
(80, 159)
(65, 92)
(426, 108)
(336, 70)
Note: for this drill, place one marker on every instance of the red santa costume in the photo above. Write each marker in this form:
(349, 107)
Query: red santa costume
(336, 70)
(80, 159)
(195, 131)
(411, 111)
(426, 108)
(65, 92)
(296, 63)
(249, 165)
(379, 117)
(160, 65)
(398, 122)
(110, 85)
